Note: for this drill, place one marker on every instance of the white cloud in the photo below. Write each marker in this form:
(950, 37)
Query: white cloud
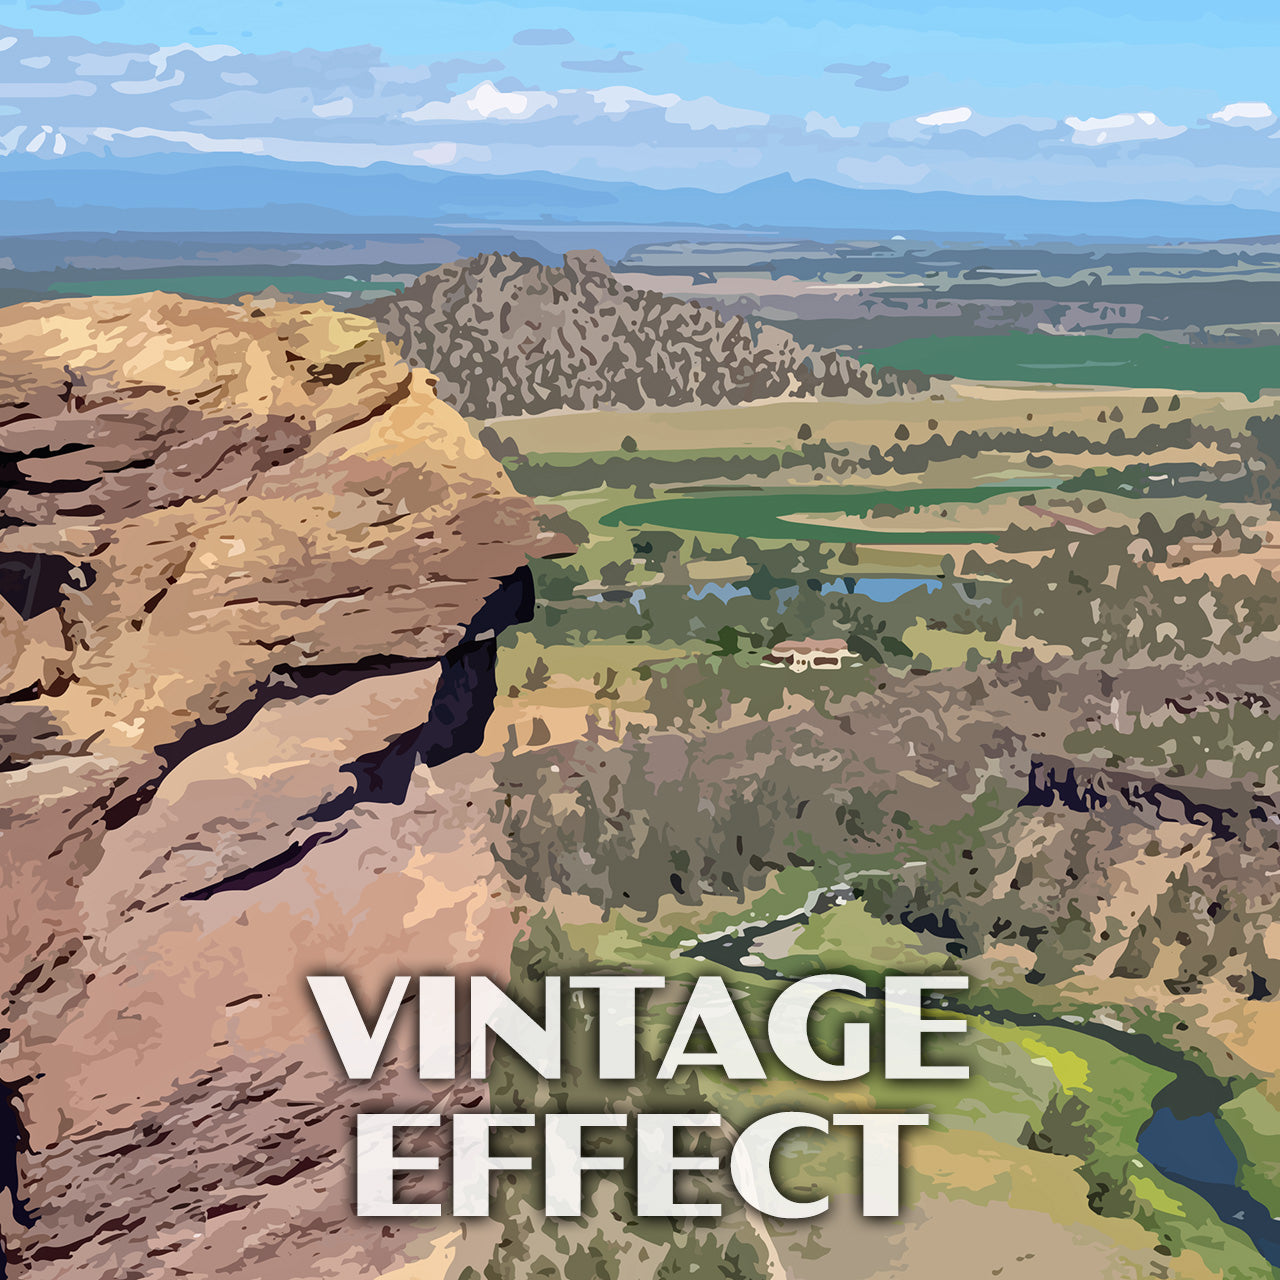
(1142, 126)
(1254, 115)
(485, 102)
(205, 52)
(957, 115)
(440, 153)
(358, 155)
(618, 99)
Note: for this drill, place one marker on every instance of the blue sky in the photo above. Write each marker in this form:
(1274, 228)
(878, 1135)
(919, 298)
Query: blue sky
(1099, 101)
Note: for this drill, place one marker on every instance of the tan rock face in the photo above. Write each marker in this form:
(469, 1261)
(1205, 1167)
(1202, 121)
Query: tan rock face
(251, 568)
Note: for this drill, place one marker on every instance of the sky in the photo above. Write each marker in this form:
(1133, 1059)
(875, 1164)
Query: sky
(1099, 101)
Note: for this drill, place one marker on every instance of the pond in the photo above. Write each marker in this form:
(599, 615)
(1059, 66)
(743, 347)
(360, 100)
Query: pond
(880, 588)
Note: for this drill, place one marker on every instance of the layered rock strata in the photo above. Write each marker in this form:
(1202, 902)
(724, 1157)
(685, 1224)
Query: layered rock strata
(252, 570)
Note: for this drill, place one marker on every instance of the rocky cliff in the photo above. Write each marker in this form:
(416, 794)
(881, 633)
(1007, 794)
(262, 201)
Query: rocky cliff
(251, 569)
(507, 335)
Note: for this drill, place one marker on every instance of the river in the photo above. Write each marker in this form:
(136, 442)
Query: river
(1185, 1137)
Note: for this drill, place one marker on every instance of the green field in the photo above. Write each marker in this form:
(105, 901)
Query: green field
(760, 513)
(1087, 360)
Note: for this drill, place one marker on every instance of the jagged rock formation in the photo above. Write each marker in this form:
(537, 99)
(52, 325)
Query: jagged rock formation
(251, 572)
(506, 335)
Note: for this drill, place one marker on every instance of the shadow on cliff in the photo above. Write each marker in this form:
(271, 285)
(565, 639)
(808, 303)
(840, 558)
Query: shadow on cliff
(455, 725)
(13, 1142)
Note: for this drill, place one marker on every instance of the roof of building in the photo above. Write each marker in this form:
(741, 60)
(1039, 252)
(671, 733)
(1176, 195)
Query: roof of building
(810, 646)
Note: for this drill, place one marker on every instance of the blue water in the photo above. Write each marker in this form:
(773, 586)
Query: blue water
(886, 589)
(1191, 1148)
(1193, 1152)
(1183, 1139)
(722, 591)
(882, 590)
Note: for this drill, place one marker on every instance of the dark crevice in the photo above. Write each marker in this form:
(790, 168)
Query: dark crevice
(454, 726)
(32, 583)
(13, 1143)
(11, 474)
(1052, 783)
(264, 871)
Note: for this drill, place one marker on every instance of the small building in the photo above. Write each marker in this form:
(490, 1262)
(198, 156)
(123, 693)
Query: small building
(805, 655)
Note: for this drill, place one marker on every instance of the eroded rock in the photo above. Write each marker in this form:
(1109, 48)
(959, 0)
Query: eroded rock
(253, 572)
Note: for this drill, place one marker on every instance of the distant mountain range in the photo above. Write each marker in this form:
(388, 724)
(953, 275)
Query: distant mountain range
(173, 194)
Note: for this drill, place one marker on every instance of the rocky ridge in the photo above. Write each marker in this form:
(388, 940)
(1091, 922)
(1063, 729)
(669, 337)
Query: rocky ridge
(507, 335)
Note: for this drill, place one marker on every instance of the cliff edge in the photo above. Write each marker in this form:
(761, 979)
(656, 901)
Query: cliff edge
(251, 572)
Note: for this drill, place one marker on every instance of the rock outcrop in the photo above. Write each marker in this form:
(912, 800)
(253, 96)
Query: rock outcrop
(507, 335)
(251, 569)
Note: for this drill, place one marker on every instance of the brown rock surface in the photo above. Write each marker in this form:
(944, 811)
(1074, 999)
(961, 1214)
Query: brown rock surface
(251, 570)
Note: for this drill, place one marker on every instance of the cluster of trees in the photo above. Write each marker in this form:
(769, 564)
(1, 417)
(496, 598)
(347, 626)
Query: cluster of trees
(1096, 595)
(505, 335)
(676, 813)
(1152, 438)
(542, 478)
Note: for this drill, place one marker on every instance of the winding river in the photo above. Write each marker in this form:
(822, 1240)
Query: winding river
(1185, 1136)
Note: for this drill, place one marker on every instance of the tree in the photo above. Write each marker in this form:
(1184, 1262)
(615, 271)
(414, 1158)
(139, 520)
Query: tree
(1063, 1128)
(614, 574)
(537, 676)
(727, 642)
(629, 444)
(656, 546)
